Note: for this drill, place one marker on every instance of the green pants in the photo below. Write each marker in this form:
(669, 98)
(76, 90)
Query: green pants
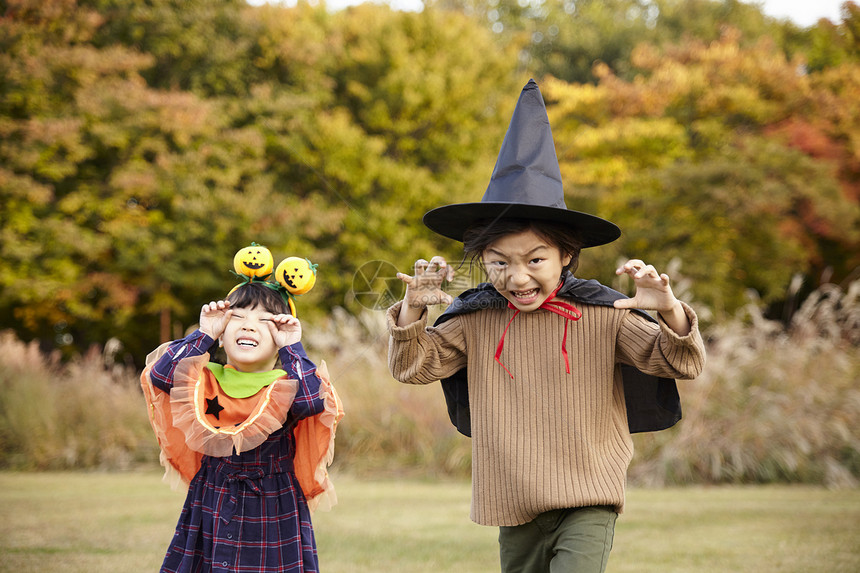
(576, 540)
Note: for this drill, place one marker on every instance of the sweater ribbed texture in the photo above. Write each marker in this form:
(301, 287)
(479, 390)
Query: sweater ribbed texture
(544, 439)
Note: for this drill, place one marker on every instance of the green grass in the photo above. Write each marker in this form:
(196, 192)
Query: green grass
(122, 522)
(791, 529)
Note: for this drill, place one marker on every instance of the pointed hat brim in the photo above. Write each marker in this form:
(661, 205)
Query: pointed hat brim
(452, 221)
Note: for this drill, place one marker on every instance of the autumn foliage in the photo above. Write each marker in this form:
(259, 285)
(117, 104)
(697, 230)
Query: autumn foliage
(142, 144)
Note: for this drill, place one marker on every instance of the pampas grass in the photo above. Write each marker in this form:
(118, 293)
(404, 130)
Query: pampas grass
(775, 404)
(77, 415)
(389, 427)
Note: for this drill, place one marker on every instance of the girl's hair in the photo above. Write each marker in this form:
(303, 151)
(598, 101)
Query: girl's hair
(479, 236)
(253, 295)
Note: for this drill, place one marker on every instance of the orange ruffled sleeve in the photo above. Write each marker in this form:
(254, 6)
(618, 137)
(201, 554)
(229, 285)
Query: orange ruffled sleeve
(315, 447)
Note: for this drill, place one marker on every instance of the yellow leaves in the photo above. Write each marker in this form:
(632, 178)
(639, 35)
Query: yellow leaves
(704, 133)
(835, 104)
(297, 36)
(612, 153)
(87, 65)
(754, 84)
(693, 90)
(603, 171)
(173, 110)
(584, 103)
(51, 148)
(646, 56)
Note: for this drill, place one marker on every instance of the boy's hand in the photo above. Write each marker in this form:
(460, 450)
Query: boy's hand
(653, 292)
(286, 330)
(214, 318)
(424, 288)
(652, 289)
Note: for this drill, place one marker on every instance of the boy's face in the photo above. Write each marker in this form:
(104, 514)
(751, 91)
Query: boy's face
(524, 268)
(248, 341)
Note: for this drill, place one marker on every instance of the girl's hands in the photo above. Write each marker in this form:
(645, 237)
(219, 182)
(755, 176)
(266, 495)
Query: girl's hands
(285, 329)
(424, 288)
(214, 318)
(653, 292)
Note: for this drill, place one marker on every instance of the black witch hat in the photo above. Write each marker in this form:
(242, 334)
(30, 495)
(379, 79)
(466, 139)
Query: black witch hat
(526, 182)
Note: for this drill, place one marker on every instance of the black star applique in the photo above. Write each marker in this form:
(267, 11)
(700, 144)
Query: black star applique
(213, 407)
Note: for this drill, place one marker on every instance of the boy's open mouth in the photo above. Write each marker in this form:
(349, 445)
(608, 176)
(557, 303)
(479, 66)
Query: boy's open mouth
(525, 294)
(247, 342)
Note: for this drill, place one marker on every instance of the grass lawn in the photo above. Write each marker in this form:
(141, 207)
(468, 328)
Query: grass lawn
(119, 522)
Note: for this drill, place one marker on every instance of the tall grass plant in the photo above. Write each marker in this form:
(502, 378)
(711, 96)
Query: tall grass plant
(776, 404)
(83, 414)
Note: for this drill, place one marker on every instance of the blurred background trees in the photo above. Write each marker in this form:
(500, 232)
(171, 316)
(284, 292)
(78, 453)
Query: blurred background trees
(142, 144)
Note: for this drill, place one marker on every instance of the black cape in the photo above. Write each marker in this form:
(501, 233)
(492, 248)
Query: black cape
(652, 402)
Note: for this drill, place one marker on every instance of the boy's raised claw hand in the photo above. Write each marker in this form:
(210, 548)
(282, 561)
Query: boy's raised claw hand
(214, 318)
(425, 287)
(286, 330)
(652, 289)
(653, 292)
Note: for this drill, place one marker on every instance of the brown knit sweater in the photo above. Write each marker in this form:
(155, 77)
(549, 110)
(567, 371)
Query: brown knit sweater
(545, 439)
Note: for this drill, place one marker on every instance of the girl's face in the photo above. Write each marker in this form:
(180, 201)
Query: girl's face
(248, 341)
(524, 268)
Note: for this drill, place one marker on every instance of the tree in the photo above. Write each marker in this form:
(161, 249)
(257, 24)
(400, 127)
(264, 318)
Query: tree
(124, 197)
(203, 46)
(567, 38)
(693, 158)
(412, 103)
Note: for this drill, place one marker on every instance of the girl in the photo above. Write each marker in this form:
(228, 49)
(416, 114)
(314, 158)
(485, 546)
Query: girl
(543, 358)
(253, 440)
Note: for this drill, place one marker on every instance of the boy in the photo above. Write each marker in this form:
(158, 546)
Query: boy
(548, 358)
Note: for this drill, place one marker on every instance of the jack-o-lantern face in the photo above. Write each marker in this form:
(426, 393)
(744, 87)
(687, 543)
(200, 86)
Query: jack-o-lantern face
(253, 261)
(297, 275)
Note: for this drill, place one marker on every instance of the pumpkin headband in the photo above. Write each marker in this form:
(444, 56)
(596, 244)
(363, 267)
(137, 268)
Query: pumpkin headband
(294, 275)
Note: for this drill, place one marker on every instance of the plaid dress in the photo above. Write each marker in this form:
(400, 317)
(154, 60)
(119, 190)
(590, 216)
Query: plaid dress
(245, 512)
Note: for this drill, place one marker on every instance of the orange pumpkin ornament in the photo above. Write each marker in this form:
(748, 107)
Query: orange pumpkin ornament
(297, 275)
(253, 261)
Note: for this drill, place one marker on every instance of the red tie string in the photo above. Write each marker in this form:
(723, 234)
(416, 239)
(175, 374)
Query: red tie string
(501, 345)
(563, 309)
